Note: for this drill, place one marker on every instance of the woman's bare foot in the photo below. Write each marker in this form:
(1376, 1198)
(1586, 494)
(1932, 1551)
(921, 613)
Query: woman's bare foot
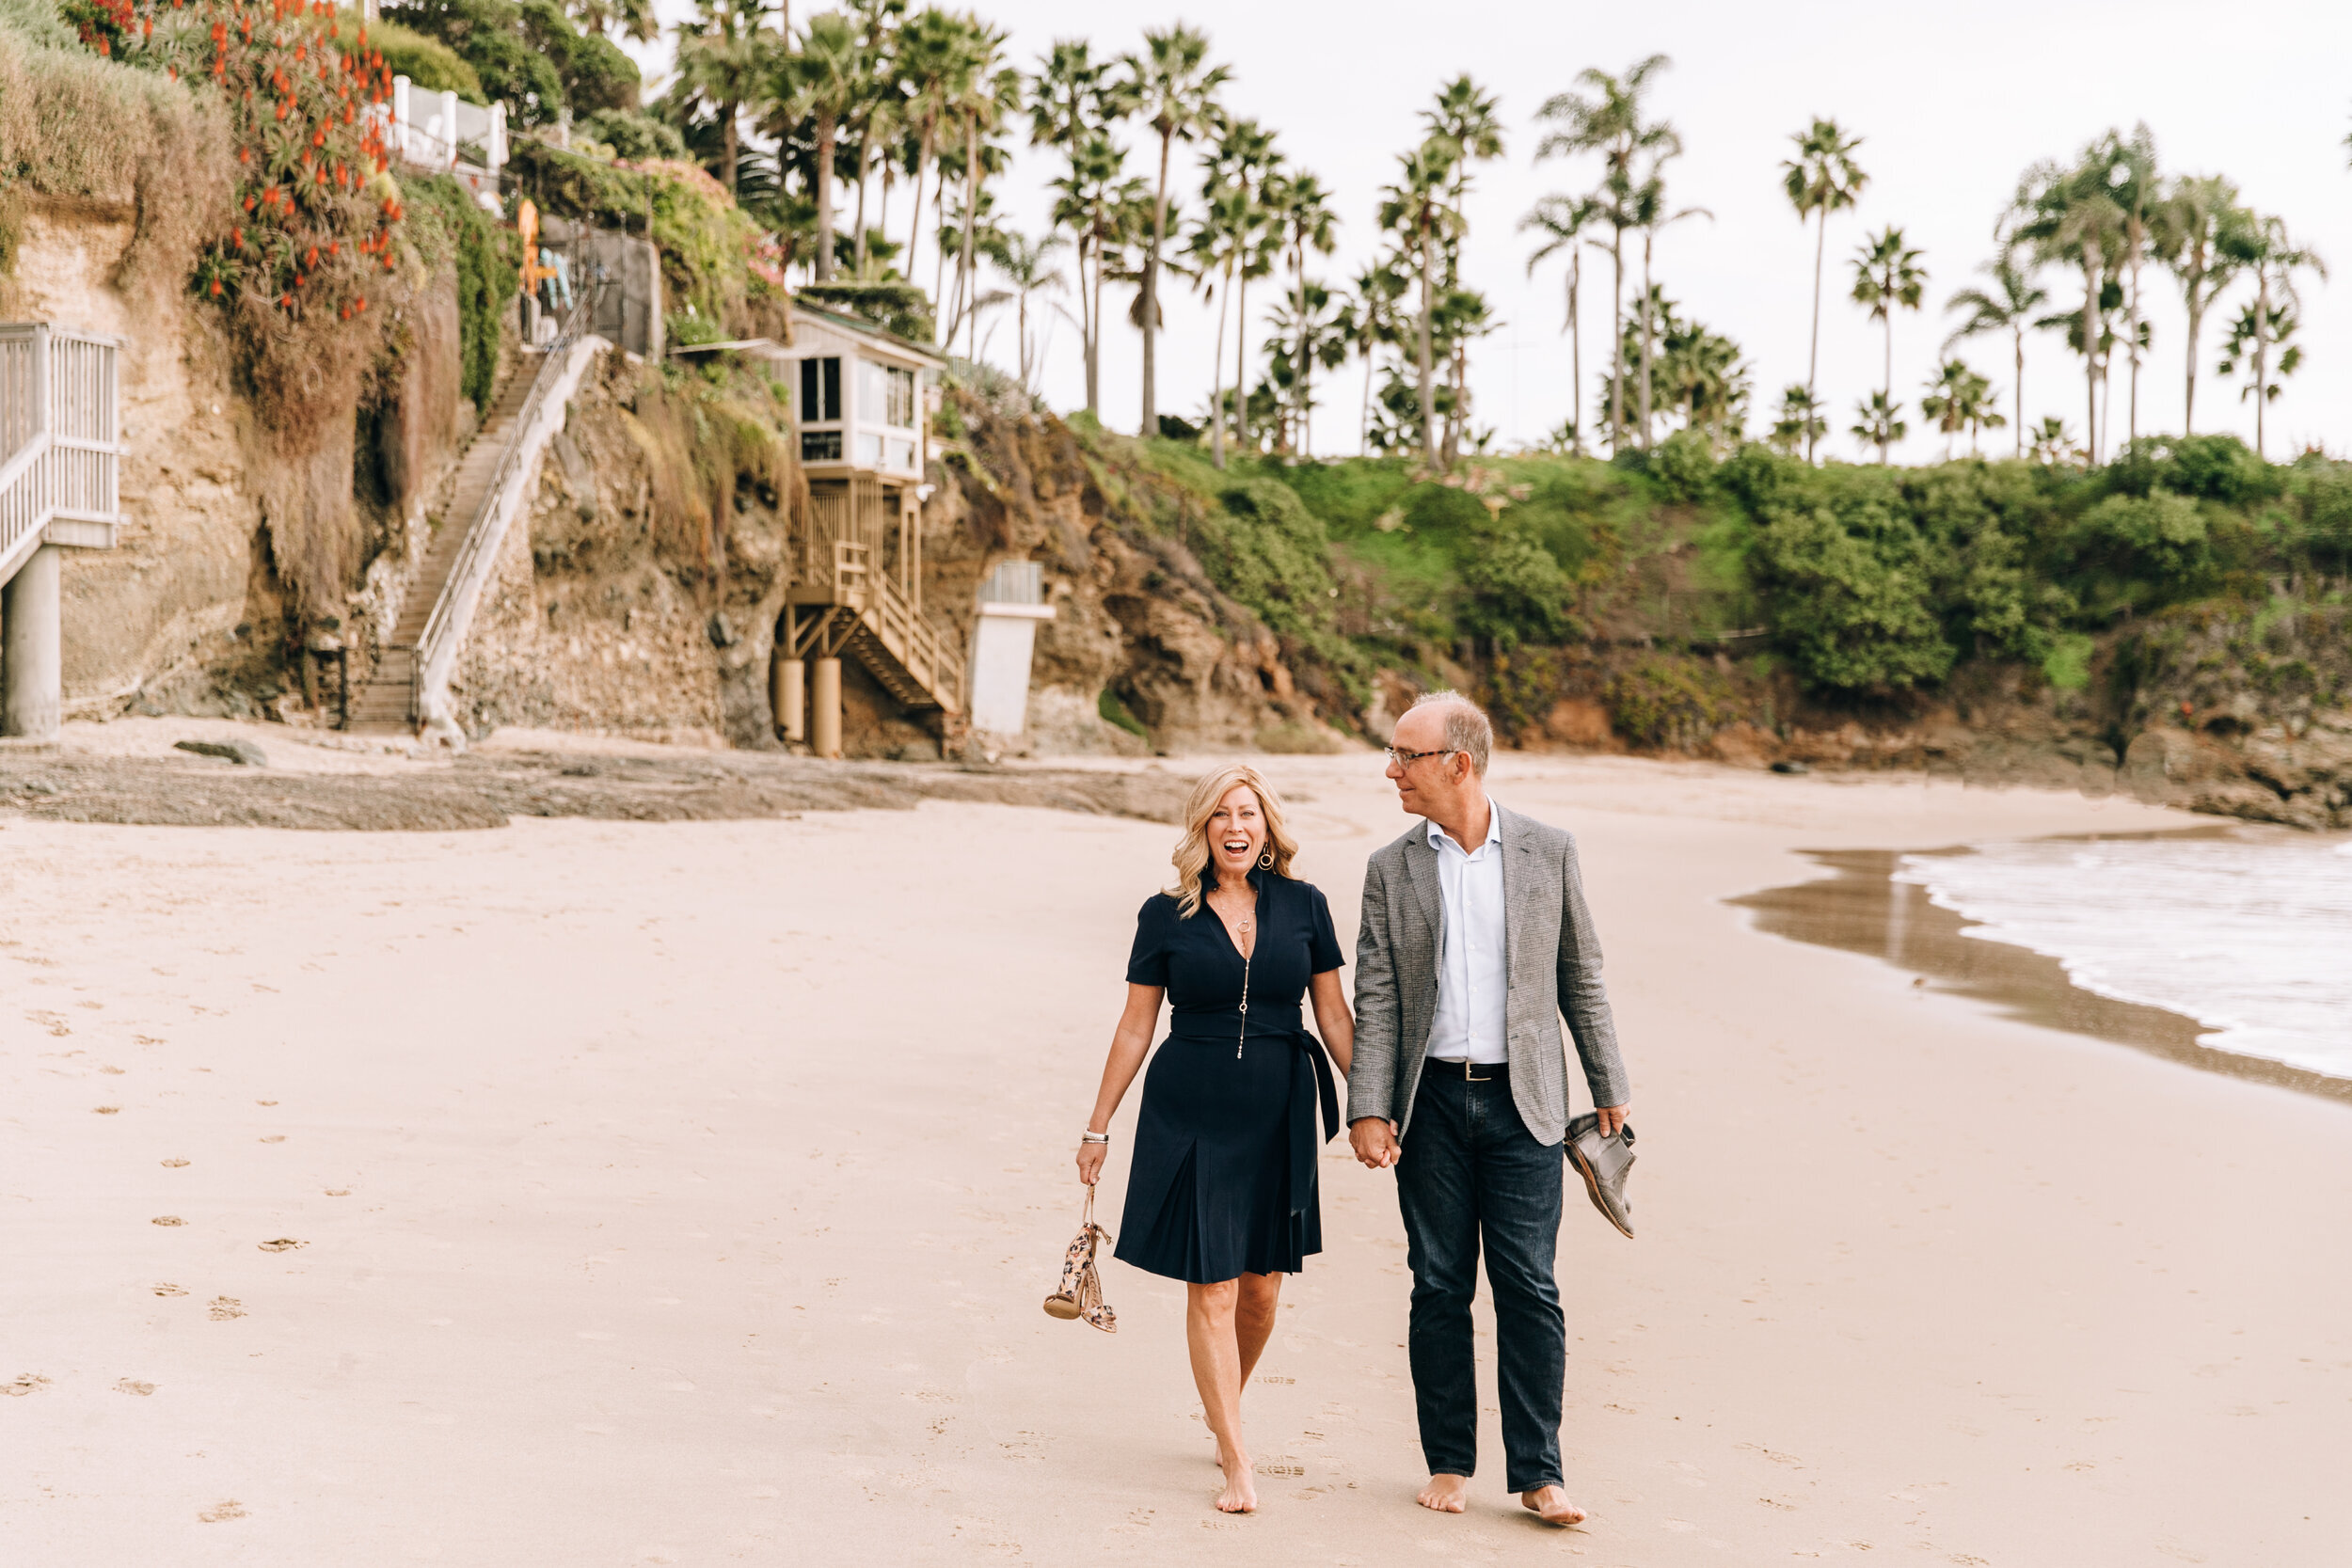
(1445, 1493)
(1551, 1504)
(1240, 1491)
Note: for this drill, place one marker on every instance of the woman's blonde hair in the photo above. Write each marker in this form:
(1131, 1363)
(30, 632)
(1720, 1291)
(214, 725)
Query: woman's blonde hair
(1191, 858)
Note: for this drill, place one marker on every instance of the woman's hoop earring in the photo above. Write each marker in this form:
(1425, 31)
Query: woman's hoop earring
(1266, 861)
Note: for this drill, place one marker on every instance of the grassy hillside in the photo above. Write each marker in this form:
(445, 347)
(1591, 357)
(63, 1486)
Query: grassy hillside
(1681, 595)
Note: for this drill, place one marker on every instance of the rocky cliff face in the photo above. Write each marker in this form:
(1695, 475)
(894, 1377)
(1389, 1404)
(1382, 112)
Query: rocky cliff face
(152, 617)
(1136, 617)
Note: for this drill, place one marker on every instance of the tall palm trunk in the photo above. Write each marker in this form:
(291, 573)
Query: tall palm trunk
(1647, 236)
(915, 219)
(727, 147)
(1241, 365)
(967, 280)
(2017, 341)
(2196, 327)
(1216, 377)
(826, 131)
(2091, 349)
(1616, 340)
(1152, 291)
(1306, 359)
(2261, 353)
(1886, 409)
(1094, 340)
(2131, 335)
(1813, 356)
(1576, 357)
(1428, 381)
(864, 137)
(1363, 415)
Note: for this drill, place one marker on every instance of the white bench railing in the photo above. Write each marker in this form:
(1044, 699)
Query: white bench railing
(58, 427)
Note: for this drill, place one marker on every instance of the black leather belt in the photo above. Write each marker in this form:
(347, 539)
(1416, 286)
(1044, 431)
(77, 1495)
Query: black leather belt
(1467, 1070)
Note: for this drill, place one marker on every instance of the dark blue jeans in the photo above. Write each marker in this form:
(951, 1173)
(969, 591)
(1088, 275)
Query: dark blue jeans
(1470, 1170)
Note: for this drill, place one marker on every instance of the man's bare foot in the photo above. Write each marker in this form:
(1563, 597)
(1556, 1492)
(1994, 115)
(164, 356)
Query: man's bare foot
(1551, 1504)
(1445, 1493)
(1240, 1491)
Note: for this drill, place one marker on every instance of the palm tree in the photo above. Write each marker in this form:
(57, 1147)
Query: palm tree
(1800, 423)
(1958, 398)
(879, 25)
(1378, 321)
(1465, 117)
(2270, 318)
(1317, 333)
(1174, 89)
(724, 58)
(2053, 442)
(1607, 119)
(1222, 232)
(1877, 422)
(2008, 305)
(1649, 206)
(1304, 222)
(2069, 217)
(932, 59)
(1244, 157)
(1822, 179)
(1089, 200)
(1073, 100)
(629, 19)
(1562, 219)
(1029, 267)
(990, 94)
(825, 80)
(1414, 209)
(2205, 237)
(1886, 277)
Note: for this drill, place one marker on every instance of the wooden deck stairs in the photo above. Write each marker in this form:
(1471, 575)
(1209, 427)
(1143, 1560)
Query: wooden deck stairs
(870, 617)
(387, 704)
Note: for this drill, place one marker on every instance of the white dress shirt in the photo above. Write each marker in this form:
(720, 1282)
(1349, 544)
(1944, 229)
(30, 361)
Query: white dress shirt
(1471, 977)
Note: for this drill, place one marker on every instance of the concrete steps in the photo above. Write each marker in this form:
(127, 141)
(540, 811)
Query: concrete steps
(383, 704)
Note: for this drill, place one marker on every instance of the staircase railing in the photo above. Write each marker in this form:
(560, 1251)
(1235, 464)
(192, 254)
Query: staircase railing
(58, 403)
(901, 629)
(452, 611)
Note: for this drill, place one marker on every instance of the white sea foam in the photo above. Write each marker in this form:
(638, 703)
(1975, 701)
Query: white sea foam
(2250, 934)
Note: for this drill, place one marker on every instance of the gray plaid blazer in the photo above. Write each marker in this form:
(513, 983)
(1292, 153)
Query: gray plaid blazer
(1549, 952)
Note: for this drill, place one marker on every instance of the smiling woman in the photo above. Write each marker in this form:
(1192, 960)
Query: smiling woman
(1221, 1194)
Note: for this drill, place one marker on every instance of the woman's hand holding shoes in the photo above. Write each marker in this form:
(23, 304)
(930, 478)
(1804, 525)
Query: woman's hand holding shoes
(1090, 1158)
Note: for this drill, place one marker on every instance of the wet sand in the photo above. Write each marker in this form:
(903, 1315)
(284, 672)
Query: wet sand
(1863, 910)
(586, 1192)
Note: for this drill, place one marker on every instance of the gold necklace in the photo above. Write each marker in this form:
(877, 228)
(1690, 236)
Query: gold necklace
(1247, 953)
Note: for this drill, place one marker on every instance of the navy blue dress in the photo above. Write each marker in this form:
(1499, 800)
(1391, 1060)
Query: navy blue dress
(1223, 1180)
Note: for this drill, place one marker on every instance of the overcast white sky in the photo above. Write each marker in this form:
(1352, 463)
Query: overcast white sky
(1954, 101)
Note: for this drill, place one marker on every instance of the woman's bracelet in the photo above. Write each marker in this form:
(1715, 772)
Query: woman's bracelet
(1094, 1137)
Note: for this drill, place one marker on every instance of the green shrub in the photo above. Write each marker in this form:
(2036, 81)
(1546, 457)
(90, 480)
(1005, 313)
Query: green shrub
(1667, 701)
(1684, 465)
(430, 65)
(449, 230)
(1116, 712)
(2160, 535)
(2068, 663)
(632, 133)
(1516, 591)
(1268, 551)
(1851, 610)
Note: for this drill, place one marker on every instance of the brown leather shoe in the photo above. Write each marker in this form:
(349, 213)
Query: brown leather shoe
(1603, 1163)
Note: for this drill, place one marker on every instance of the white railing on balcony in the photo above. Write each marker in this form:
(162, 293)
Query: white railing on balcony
(432, 131)
(61, 479)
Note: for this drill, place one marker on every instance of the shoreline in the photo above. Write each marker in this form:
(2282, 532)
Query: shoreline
(1863, 909)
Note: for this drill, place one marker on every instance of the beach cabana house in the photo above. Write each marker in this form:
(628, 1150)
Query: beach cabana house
(862, 398)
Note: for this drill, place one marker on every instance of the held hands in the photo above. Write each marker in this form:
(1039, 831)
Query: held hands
(1374, 1138)
(1090, 1158)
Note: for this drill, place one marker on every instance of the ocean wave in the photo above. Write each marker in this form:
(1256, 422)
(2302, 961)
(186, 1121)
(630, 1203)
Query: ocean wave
(2250, 935)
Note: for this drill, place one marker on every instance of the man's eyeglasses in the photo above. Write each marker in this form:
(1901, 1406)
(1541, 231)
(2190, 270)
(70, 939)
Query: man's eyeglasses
(1406, 759)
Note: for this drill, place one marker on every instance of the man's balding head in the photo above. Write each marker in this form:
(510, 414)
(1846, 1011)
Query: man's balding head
(1446, 721)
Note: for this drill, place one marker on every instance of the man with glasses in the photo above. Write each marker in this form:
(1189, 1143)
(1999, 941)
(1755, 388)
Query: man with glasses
(1475, 941)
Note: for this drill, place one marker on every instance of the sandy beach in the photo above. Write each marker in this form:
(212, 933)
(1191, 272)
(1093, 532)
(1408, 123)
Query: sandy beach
(592, 1192)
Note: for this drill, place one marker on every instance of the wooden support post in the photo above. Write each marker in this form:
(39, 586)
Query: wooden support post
(825, 697)
(787, 695)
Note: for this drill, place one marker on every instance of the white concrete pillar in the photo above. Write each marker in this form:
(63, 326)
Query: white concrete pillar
(32, 661)
(449, 129)
(825, 697)
(787, 696)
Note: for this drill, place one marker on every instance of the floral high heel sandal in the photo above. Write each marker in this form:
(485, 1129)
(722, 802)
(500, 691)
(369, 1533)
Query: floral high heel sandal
(1081, 1292)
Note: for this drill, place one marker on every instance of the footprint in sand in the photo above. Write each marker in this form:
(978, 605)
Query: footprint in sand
(145, 1040)
(107, 1110)
(274, 1138)
(166, 1219)
(283, 1244)
(165, 1288)
(27, 1383)
(221, 1511)
(226, 1307)
(339, 1192)
(265, 1102)
(127, 1386)
(116, 1071)
(175, 1164)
